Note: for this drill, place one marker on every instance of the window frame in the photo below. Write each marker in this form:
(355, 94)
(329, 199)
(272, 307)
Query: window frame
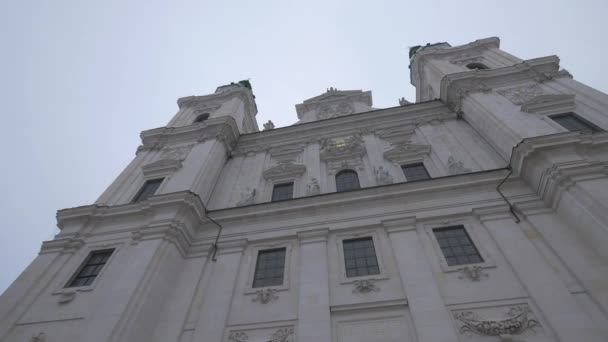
(354, 240)
(415, 164)
(593, 128)
(136, 198)
(283, 184)
(257, 263)
(347, 171)
(471, 228)
(378, 248)
(251, 263)
(466, 234)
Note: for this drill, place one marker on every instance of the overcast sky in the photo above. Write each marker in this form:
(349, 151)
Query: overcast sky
(81, 79)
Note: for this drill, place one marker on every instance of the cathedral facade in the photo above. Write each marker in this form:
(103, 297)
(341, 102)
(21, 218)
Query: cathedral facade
(477, 213)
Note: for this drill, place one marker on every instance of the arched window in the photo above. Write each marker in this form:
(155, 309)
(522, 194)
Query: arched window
(201, 117)
(477, 66)
(347, 180)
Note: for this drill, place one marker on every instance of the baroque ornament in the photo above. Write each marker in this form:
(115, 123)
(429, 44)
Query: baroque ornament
(520, 95)
(456, 167)
(282, 335)
(265, 296)
(517, 320)
(238, 337)
(176, 153)
(284, 170)
(313, 188)
(473, 273)
(39, 337)
(382, 176)
(365, 286)
(332, 111)
(340, 153)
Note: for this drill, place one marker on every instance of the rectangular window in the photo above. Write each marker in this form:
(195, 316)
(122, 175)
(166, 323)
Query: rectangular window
(360, 257)
(148, 189)
(282, 192)
(414, 172)
(573, 123)
(269, 268)
(91, 268)
(456, 246)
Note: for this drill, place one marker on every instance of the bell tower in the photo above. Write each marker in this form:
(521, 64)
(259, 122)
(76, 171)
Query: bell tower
(505, 98)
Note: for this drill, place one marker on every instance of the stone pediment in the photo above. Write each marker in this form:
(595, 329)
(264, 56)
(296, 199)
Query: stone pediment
(550, 103)
(284, 171)
(335, 101)
(404, 153)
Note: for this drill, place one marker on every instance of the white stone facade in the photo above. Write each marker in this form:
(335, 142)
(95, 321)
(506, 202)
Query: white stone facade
(531, 195)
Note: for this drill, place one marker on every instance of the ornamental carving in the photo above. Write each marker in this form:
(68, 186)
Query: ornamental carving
(382, 176)
(365, 286)
(397, 135)
(265, 296)
(473, 273)
(282, 335)
(237, 337)
(286, 153)
(313, 188)
(519, 95)
(284, 170)
(456, 167)
(517, 320)
(343, 153)
(39, 337)
(546, 104)
(247, 198)
(331, 111)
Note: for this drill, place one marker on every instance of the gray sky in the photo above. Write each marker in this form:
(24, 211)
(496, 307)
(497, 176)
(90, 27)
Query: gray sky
(81, 79)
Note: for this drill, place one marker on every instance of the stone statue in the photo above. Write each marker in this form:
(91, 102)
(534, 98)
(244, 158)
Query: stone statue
(382, 176)
(268, 125)
(247, 198)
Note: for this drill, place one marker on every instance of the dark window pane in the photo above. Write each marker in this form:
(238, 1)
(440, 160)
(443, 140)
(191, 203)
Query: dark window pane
(414, 172)
(91, 268)
(347, 180)
(573, 122)
(456, 246)
(282, 192)
(269, 268)
(148, 189)
(360, 257)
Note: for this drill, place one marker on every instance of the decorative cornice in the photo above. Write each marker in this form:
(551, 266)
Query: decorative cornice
(399, 225)
(181, 203)
(213, 99)
(549, 104)
(161, 168)
(316, 131)
(313, 236)
(491, 213)
(454, 87)
(223, 129)
(332, 98)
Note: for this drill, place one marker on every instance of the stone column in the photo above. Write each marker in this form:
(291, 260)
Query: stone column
(314, 320)
(431, 318)
(218, 294)
(561, 310)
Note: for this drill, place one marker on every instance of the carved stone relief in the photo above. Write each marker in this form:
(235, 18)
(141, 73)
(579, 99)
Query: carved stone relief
(382, 176)
(265, 334)
(39, 337)
(176, 153)
(313, 188)
(456, 167)
(518, 319)
(331, 111)
(365, 286)
(238, 337)
(519, 95)
(265, 296)
(473, 273)
(284, 170)
(247, 198)
(340, 153)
